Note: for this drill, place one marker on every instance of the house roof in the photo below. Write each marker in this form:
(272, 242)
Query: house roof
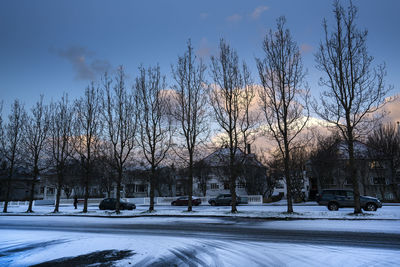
(220, 157)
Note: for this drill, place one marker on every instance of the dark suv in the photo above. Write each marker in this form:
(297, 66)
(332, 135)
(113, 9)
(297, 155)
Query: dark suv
(225, 199)
(343, 198)
(110, 203)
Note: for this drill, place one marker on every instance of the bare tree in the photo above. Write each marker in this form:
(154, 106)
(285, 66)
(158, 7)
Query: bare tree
(36, 131)
(384, 145)
(154, 133)
(262, 181)
(11, 144)
(60, 138)
(298, 160)
(355, 90)
(284, 94)
(231, 98)
(325, 160)
(88, 129)
(120, 118)
(189, 109)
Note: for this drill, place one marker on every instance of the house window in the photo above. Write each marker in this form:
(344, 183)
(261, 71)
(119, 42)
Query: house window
(375, 165)
(279, 185)
(50, 191)
(379, 180)
(214, 186)
(130, 188)
(226, 186)
(42, 190)
(241, 185)
(348, 181)
(141, 188)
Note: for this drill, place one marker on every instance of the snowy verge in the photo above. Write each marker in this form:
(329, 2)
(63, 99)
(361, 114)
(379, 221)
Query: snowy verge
(246, 211)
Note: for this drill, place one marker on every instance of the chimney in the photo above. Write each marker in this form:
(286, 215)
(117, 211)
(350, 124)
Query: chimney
(248, 149)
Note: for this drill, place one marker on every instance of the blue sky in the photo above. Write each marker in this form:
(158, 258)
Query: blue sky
(48, 47)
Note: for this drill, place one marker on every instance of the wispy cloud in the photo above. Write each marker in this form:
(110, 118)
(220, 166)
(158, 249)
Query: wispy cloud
(204, 15)
(258, 11)
(305, 48)
(205, 49)
(83, 62)
(234, 18)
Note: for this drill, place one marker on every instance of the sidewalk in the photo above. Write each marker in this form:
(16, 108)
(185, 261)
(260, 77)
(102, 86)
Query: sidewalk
(307, 211)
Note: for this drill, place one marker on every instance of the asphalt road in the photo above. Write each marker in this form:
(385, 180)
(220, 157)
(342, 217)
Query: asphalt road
(222, 229)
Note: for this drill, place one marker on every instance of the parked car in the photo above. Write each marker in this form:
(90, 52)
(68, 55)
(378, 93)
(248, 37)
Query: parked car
(225, 199)
(343, 198)
(184, 201)
(109, 204)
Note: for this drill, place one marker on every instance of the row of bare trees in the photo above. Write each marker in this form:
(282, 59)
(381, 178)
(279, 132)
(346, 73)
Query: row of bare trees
(120, 122)
(377, 158)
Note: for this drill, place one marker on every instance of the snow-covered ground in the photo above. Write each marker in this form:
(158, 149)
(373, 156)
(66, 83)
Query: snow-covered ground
(24, 248)
(305, 211)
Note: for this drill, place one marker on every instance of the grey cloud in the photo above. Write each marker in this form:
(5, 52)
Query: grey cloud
(258, 11)
(83, 62)
(234, 18)
(100, 66)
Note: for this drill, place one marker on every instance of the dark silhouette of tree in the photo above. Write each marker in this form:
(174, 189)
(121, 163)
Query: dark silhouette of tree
(60, 141)
(36, 132)
(120, 122)
(384, 146)
(231, 98)
(11, 144)
(189, 109)
(355, 90)
(87, 133)
(284, 94)
(154, 135)
(325, 160)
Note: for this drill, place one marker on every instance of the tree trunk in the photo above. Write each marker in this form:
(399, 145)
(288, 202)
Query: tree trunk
(190, 189)
(153, 172)
(59, 186)
(288, 180)
(85, 203)
(5, 208)
(32, 195)
(353, 173)
(232, 184)
(118, 196)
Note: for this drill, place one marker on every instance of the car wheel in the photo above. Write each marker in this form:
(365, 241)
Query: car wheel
(333, 206)
(370, 207)
(173, 203)
(213, 203)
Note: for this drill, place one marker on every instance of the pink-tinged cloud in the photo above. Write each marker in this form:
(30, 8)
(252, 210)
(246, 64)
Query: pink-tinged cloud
(234, 18)
(393, 110)
(258, 11)
(306, 48)
(204, 15)
(204, 50)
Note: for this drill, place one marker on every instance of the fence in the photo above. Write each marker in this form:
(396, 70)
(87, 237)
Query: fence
(251, 200)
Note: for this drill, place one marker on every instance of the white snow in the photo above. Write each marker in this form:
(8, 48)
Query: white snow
(24, 248)
(149, 250)
(305, 211)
